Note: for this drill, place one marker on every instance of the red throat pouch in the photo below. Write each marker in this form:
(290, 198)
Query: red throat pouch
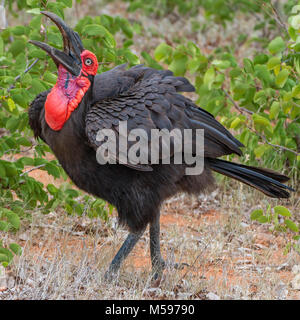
(64, 98)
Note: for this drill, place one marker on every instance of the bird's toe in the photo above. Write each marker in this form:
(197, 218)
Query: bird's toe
(180, 266)
(110, 276)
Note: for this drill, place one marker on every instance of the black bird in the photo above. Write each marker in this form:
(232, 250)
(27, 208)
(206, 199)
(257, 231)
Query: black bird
(68, 117)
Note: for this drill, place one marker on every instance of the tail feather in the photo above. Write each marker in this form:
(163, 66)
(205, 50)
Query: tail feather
(265, 180)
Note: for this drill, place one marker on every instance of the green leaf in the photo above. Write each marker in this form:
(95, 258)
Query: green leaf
(18, 30)
(240, 89)
(26, 80)
(262, 219)
(221, 64)
(193, 65)
(13, 218)
(291, 225)
(178, 65)
(273, 62)
(36, 53)
(36, 86)
(4, 226)
(209, 77)
(50, 77)
(235, 72)
(17, 47)
(1, 46)
(263, 74)
(131, 57)
(276, 45)
(260, 59)
(282, 78)
(68, 3)
(295, 22)
(26, 161)
(261, 120)
(32, 2)
(7, 253)
(2, 171)
(72, 193)
(15, 248)
(99, 31)
(12, 124)
(274, 110)
(260, 150)
(52, 170)
(295, 9)
(52, 189)
(10, 169)
(35, 22)
(248, 65)
(255, 214)
(150, 61)
(283, 211)
(24, 142)
(235, 123)
(163, 51)
(126, 28)
(4, 258)
(296, 91)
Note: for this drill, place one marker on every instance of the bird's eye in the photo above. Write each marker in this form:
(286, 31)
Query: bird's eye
(88, 62)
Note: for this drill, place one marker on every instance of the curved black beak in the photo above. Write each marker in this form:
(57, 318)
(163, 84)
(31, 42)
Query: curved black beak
(70, 57)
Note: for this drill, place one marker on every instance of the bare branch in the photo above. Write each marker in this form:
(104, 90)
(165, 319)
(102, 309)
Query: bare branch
(17, 150)
(240, 109)
(31, 169)
(276, 16)
(19, 76)
(278, 146)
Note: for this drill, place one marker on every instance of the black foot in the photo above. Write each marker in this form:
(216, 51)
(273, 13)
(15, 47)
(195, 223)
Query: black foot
(157, 269)
(112, 273)
(110, 276)
(180, 266)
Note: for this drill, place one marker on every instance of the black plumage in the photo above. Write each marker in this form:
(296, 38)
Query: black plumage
(149, 99)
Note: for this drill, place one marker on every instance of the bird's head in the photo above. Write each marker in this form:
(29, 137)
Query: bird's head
(76, 67)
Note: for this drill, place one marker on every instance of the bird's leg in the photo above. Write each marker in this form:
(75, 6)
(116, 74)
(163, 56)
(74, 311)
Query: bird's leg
(123, 252)
(158, 263)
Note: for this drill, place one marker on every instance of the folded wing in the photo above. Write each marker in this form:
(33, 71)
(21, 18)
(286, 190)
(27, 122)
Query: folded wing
(148, 99)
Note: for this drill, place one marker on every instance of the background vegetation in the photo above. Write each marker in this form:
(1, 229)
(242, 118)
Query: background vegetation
(256, 96)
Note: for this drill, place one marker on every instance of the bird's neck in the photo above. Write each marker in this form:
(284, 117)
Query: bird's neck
(64, 98)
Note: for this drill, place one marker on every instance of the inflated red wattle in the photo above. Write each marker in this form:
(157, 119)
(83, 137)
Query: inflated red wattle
(64, 98)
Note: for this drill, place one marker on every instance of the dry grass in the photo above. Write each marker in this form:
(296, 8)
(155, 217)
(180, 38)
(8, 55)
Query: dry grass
(65, 257)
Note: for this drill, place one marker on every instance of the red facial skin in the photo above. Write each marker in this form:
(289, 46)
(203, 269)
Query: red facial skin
(68, 91)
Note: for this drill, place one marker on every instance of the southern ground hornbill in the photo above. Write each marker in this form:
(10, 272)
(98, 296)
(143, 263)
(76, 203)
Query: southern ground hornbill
(68, 117)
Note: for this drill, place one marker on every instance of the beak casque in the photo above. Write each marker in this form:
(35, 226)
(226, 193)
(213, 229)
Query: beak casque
(70, 57)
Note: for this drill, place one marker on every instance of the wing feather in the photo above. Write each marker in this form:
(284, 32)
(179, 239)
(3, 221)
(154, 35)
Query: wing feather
(148, 99)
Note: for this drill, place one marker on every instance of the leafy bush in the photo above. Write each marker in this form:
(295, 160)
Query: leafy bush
(279, 219)
(220, 11)
(26, 71)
